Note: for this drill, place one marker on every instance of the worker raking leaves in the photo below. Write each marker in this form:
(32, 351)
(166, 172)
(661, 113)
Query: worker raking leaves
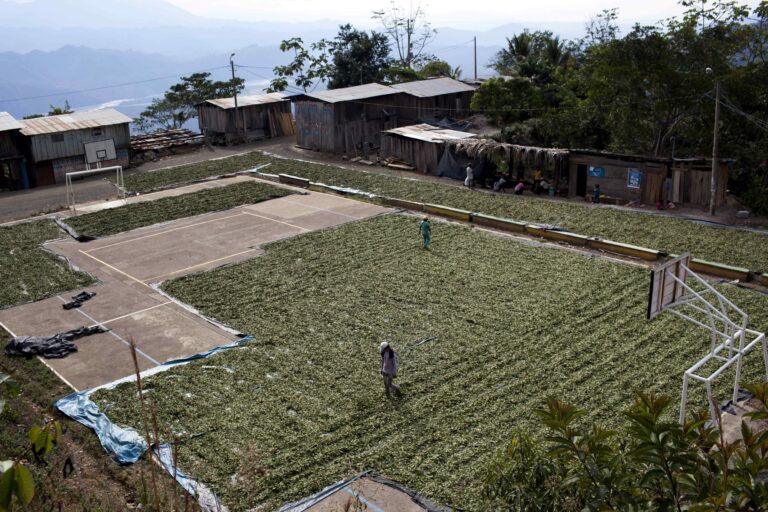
(388, 368)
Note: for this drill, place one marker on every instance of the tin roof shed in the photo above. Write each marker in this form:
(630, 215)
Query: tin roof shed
(7, 122)
(73, 121)
(429, 133)
(247, 101)
(358, 92)
(433, 87)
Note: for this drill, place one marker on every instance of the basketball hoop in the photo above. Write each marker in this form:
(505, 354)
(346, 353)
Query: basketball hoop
(679, 290)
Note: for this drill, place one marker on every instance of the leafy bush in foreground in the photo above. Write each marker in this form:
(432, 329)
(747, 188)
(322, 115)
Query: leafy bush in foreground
(656, 464)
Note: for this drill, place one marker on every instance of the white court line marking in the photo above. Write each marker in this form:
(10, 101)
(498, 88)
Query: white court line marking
(60, 376)
(135, 312)
(323, 209)
(199, 265)
(115, 269)
(161, 233)
(113, 333)
(275, 220)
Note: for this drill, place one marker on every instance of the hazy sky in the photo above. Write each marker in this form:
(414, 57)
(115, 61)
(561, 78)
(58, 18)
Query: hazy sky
(456, 13)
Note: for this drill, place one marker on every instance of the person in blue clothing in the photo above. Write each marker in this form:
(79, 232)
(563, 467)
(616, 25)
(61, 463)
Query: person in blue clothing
(426, 232)
(596, 196)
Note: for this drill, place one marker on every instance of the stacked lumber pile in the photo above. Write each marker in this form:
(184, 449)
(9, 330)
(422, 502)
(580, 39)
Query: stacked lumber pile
(281, 124)
(165, 139)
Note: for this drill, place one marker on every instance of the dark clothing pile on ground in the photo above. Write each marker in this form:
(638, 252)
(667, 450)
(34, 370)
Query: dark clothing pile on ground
(52, 347)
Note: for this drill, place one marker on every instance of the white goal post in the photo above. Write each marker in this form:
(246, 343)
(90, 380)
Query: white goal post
(117, 169)
(679, 290)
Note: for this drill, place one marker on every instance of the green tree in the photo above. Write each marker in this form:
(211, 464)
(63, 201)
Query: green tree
(57, 111)
(535, 55)
(359, 57)
(309, 66)
(436, 67)
(177, 106)
(353, 57)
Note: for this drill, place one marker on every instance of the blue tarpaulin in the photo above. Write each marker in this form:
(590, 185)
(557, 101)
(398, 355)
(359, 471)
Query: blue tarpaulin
(124, 444)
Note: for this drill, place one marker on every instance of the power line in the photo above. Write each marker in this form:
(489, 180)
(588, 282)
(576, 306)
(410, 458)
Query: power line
(101, 88)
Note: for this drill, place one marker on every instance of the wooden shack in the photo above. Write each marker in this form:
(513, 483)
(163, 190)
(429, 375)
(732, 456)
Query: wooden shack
(56, 144)
(261, 116)
(436, 97)
(13, 170)
(420, 145)
(647, 180)
(346, 121)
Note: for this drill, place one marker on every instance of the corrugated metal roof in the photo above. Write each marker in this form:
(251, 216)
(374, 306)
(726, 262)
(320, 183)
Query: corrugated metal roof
(246, 101)
(429, 133)
(358, 92)
(433, 87)
(73, 121)
(7, 122)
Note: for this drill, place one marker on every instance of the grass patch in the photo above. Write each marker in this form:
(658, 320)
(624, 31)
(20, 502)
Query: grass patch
(165, 178)
(27, 272)
(303, 405)
(667, 234)
(136, 215)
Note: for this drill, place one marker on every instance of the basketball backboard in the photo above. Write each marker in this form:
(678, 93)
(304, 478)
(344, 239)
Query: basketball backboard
(100, 151)
(665, 289)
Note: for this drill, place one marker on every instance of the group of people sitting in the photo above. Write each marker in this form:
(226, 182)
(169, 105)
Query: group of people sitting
(539, 186)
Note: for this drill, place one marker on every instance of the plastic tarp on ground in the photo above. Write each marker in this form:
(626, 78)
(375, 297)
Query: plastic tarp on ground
(455, 166)
(124, 444)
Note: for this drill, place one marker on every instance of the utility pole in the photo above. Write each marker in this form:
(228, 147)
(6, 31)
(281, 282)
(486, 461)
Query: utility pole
(475, 40)
(234, 92)
(715, 163)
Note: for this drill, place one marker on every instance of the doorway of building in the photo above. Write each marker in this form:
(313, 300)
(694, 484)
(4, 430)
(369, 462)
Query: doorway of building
(581, 180)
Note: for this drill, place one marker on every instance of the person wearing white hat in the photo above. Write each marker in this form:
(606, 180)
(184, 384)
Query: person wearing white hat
(388, 367)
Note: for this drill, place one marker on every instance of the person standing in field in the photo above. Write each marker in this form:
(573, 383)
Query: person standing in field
(388, 368)
(426, 232)
(470, 179)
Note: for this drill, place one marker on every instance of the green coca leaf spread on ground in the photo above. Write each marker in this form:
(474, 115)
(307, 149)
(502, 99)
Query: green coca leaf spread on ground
(303, 406)
(136, 215)
(27, 272)
(673, 235)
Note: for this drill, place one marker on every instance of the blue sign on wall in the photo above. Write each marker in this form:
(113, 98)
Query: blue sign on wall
(634, 176)
(598, 172)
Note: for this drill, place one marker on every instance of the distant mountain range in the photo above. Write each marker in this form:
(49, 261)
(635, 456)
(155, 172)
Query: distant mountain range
(76, 50)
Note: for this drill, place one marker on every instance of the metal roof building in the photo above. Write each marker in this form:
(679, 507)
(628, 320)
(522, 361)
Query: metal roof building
(355, 93)
(57, 143)
(420, 145)
(347, 121)
(436, 97)
(73, 121)
(13, 172)
(260, 116)
(434, 87)
(7, 122)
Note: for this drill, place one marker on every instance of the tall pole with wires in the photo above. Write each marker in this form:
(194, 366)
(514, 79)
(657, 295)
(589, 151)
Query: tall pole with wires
(715, 163)
(234, 93)
(475, 41)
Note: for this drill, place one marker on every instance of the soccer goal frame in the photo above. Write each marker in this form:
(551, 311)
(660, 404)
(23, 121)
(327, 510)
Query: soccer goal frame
(677, 289)
(118, 170)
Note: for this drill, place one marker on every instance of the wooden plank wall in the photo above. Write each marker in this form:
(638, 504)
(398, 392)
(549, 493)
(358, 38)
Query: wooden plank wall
(315, 126)
(424, 156)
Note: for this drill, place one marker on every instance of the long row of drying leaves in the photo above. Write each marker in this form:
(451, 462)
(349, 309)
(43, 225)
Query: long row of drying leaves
(27, 272)
(729, 246)
(513, 323)
(136, 215)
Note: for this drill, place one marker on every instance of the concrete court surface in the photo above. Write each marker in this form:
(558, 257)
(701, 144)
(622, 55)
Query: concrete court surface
(128, 263)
